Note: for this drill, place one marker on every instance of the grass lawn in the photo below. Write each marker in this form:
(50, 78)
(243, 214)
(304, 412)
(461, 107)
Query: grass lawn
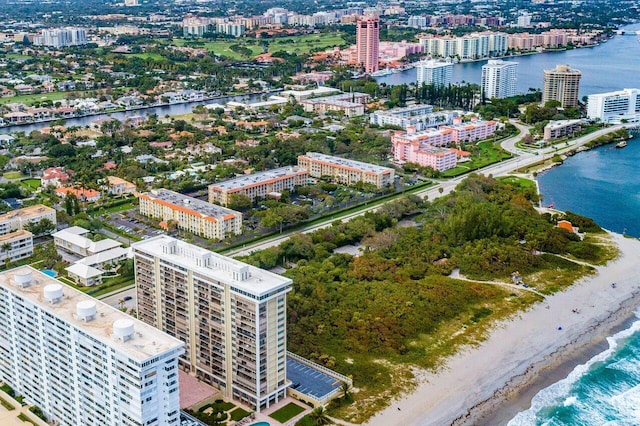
(16, 56)
(287, 412)
(12, 175)
(30, 184)
(306, 43)
(488, 153)
(154, 56)
(120, 208)
(54, 96)
(111, 284)
(521, 182)
(108, 285)
(294, 44)
(239, 414)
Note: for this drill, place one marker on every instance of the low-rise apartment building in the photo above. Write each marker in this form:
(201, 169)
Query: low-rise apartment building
(259, 184)
(196, 216)
(420, 117)
(351, 104)
(82, 361)
(561, 128)
(16, 245)
(439, 159)
(231, 316)
(74, 240)
(345, 171)
(17, 219)
(416, 147)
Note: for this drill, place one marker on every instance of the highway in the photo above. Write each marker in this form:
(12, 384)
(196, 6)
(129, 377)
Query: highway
(521, 159)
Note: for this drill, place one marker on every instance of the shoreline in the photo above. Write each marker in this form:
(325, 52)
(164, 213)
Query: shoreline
(491, 382)
(516, 397)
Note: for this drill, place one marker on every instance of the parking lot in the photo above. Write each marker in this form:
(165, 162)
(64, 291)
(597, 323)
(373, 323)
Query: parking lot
(131, 224)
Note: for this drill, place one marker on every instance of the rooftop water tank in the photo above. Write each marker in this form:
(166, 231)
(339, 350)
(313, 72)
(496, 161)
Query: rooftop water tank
(23, 279)
(123, 329)
(86, 310)
(53, 293)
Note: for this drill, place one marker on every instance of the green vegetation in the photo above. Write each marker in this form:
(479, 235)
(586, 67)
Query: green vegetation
(38, 412)
(485, 153)
(12, 175)
(154, 56)
(26, 419)
(216, 413)
(40, 97)
(239, 414)
(246, 49)
(394, 306)
(8, 390)
(518, 181)
(6, 404)
(30, 184)
(306, 421)
(618, 135)
(287, 412)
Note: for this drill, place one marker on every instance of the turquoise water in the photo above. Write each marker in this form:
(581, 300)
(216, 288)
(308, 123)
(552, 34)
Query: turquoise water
(604, 391)
(50, 272)
(259, 424)
(601, 183)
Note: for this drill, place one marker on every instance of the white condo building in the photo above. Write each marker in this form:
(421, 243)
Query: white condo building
(231, 316)
(81, 361)
(62, 37)
(499, 79)
(613, 107)
(434, 72)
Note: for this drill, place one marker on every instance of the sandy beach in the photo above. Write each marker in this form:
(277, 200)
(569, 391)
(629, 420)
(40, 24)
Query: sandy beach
(485, 384)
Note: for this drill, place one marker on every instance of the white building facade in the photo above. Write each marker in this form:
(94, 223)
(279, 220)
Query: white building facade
(499, 79)
(613, 107)
(81, 361)
(434, 72)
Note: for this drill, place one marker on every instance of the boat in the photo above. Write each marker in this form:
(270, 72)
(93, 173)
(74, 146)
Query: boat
(621, 144)
(381, 73)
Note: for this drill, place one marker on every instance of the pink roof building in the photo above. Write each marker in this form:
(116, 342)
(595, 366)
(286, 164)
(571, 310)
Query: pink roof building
(54, 176)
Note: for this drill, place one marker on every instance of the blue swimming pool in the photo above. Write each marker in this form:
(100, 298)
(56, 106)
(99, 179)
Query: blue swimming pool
(259, 424)
(50, 272)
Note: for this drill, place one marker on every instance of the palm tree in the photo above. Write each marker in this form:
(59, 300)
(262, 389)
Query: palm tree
(5, 249)
(319, 416)
(345, 390)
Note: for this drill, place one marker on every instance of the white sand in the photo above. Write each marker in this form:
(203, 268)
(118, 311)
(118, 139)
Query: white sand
(474, 376)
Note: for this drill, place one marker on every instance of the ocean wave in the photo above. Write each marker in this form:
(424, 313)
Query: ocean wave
(562, 396)
(627, 404)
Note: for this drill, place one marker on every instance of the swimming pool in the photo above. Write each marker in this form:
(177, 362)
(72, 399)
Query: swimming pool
(259, 424)
(50, 272)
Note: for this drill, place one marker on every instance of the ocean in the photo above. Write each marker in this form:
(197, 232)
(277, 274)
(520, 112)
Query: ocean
(603, 391)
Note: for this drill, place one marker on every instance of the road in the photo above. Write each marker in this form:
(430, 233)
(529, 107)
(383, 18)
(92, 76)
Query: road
(521, 159)
(116, 298)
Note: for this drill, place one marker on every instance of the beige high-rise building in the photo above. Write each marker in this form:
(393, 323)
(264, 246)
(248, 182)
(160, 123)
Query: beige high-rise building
(230, 315)
(561, 84)
(368, 43)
